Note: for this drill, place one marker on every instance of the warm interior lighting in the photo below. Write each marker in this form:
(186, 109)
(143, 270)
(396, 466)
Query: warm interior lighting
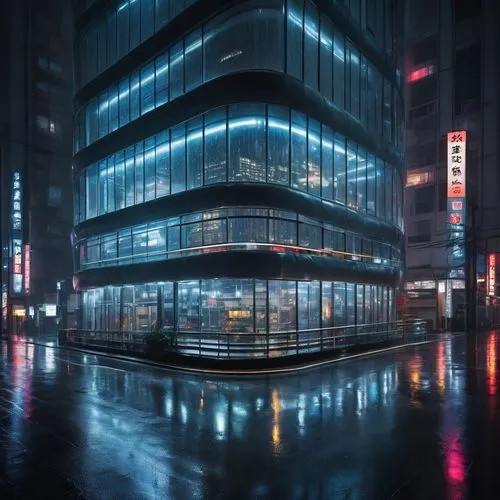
(418, 74)
(418, 178)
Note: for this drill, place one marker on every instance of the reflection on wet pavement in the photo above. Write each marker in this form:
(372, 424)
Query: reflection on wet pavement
(419, 422)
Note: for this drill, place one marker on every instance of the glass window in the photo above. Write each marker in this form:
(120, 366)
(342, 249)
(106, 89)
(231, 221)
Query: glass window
(339, 173)
(361, 180)
(247, 143)
(327, 179)
(120, 180)
(350, 305)
(215, 146)
(327, 318)
(247, 229)
(129, 176)
(338, 69)
(162, 164)
(161, 13)
(311, 40)
(123, 30)
(135, 92)
(194, 63)
(308, 305)
(173, 237)
(147, 18)
(380, 188)
(125, 246)
(113, 108)
(191, 235)
(103, 193)
(340, 304)
(176, 70)
(295, 33)
(214, 231)
(283, 231)
(140, 242)
(282, 305)
(135, 25)
(168, 306)
(310, 236)
(188, 300)
(362, 92)
(157, 240)
(355, 81)
(314, 157)
(91, 190)
(248, 40)
(388, 193)
(351, 175)
(360, 305)
(111, 183)
(178, 156)
(147, 88)
(103, 114)
(299, 151)
(194, 152)
(161, 79)
(278, 149)
(326, 58)
(112, 49)
(371, 180)
(124, 109)
(149, 169)
(139, 173)
(92, 121)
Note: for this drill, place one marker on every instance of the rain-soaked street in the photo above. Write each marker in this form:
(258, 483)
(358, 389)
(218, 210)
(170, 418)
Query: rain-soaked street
(418, 422)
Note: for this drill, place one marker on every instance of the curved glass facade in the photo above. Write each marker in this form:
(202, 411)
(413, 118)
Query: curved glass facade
(242, 144)
(249, 37)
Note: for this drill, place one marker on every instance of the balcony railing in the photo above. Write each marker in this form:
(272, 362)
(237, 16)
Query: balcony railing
(234, 345)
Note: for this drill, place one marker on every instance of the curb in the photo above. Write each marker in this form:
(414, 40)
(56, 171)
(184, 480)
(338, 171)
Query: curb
(263, 371)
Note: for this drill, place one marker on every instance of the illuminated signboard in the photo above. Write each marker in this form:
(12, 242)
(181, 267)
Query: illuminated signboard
(492, 278)
(27, 268)
(17, 228)
(457, 142)
(418, 74)
(50, 310)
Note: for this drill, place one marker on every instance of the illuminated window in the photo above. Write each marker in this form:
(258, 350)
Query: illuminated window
(418, 178)
(420, 73)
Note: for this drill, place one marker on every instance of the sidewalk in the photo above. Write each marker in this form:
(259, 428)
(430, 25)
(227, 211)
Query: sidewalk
(208, 366)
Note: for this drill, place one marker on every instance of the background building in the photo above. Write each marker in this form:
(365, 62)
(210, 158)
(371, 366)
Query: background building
(35, 153)
(452, 84)
(239, 170)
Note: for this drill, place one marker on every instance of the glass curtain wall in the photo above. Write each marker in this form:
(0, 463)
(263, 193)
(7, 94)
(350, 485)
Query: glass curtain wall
(262, 144)
(236, 306)
(251, 38)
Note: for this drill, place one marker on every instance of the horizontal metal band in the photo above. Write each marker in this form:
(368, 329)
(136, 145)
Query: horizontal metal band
(258, 265)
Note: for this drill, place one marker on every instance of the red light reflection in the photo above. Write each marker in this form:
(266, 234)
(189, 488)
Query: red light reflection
(491, 364)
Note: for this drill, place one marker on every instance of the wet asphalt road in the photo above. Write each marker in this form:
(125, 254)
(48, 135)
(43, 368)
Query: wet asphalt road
(420, 422)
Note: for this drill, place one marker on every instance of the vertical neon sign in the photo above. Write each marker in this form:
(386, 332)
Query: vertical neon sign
(27, 268)
(17, 230)
(492, 278)
(457, 142)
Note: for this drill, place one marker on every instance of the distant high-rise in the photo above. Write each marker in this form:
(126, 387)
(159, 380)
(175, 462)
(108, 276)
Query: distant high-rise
(452, 84)
(35, 154)
(238, 170)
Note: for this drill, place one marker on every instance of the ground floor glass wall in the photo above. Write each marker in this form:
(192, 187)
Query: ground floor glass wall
(236, 306)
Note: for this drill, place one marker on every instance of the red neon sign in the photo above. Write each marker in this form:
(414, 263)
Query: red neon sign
(492, 268)
(27, 269)
(418, 74)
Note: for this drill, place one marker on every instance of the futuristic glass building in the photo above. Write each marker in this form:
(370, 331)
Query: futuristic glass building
(238, 171)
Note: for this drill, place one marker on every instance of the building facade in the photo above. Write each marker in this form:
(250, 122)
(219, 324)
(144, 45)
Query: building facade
(35, 156)
(452, 84)
(238, 169)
